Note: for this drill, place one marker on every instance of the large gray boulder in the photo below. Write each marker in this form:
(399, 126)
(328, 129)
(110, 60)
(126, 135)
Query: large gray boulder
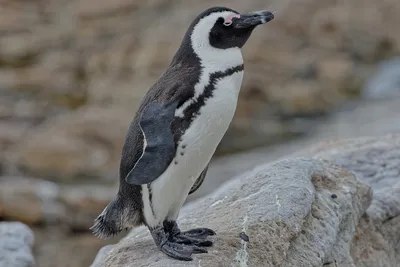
(16, 241)
(375, 161)
(296, 212)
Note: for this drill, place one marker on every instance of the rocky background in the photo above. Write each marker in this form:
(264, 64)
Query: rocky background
(73, 72)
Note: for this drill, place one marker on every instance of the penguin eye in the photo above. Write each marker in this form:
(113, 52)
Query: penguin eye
(220, 21)
(227, 23)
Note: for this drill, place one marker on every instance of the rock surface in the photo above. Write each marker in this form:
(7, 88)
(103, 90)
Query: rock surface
(385, 213)
(375, 161)
(60, 56)
(287, 210)
(16, 241)
(370, 236)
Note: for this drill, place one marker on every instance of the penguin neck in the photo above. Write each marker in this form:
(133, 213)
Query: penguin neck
(208, 64)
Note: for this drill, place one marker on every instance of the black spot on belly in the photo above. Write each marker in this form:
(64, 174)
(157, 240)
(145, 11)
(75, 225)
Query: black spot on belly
(183, 146)
(182, 153)
(176, 162)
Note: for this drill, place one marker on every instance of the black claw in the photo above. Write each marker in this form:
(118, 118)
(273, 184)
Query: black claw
(198, 250)
(199, 233)
(181, 239)
(181, 251)
(206, 243)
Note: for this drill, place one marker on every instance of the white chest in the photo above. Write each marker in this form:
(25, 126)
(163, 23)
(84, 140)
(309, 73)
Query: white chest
(194, 152)
(208, 128)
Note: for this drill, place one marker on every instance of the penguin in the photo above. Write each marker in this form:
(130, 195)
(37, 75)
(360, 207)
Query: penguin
(176, 130)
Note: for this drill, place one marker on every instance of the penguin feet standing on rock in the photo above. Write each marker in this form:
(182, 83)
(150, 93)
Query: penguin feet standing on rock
(195, 236)
(168, 244)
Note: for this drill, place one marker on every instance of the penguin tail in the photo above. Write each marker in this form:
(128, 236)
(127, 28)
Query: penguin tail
(115, 217)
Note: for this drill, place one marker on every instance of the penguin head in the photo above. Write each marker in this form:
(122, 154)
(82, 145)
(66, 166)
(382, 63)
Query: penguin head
(224, 28)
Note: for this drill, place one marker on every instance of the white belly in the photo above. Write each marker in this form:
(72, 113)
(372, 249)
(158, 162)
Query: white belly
(200, 141)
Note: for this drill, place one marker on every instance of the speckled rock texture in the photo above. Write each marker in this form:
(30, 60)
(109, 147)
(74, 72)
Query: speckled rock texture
(300, 211)
(375, 161)
(16, 241)
(296, 212)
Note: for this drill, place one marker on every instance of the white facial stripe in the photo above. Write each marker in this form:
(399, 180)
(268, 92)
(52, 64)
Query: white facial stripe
(212, 59)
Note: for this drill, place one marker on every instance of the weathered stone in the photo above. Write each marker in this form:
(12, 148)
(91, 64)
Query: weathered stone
(385, 213)
(29, 200)
(285, 208)
(369, 248)
(18, 49)
(16, 241)
(375, 161)
(338, 69)
(11, 132)
(378, 235)
(8, 79)
(90, 8)
(101, 254)
(86, 144)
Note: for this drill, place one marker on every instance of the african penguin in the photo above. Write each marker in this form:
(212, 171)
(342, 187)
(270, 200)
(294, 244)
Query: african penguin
(176, 130)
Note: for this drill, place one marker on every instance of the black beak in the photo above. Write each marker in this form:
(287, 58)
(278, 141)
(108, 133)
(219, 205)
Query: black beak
(252, 19)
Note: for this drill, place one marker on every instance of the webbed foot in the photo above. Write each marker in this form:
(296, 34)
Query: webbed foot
(199, 233)
(195, 236)
(178, 250)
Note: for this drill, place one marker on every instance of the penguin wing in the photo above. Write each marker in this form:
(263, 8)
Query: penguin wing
(159, 146)
(199, 181)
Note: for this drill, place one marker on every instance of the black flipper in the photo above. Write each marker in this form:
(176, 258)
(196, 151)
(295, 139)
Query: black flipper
(199, 181)
(155, 124)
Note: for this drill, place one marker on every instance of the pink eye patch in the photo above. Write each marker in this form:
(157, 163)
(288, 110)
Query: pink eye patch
(228, 20)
